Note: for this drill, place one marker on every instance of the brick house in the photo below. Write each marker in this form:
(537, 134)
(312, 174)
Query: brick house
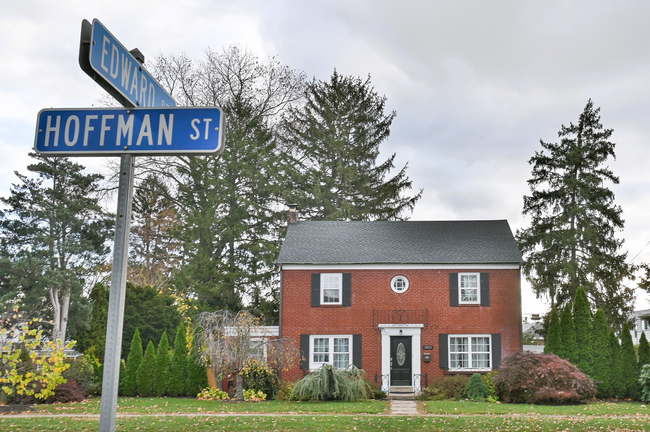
(405, 301)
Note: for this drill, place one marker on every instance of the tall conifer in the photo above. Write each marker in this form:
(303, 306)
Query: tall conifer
(602, 355)
(568, 332)
(553, 343)
(616, 372)
(128, 383)
(644, 350)
(178, 373)
(629, 365)
(162, 368)
(197, 375)
(584, 332)
(146, 372)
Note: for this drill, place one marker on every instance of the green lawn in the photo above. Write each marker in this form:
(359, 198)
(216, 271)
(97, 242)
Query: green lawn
(193, 415)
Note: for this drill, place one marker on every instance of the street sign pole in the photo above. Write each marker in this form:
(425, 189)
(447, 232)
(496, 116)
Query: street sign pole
(111, 378)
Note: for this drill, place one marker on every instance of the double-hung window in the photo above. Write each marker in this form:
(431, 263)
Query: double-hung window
(470, 352)
(331, 288)
(334, 350)
(469, 288)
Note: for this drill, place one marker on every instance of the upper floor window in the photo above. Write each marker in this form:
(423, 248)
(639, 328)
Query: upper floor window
(331, 287)
(399, 284)
(469, 288)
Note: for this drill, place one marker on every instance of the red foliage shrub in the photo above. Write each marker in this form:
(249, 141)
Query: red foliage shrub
(63, 393)
(526, 377)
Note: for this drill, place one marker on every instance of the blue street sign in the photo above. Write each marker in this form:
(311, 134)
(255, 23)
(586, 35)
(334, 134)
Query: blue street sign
(117, 66)
(143, 131)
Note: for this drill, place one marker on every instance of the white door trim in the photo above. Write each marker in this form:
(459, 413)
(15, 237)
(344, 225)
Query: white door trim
(388, 330)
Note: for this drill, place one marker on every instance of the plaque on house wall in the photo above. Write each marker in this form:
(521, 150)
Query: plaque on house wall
(427, 347)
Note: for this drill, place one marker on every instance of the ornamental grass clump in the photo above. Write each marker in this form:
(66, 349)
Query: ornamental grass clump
(330, 383)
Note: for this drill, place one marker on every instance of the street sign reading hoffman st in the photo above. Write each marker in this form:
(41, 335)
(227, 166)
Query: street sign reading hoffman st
(142, 131)
(115, 68)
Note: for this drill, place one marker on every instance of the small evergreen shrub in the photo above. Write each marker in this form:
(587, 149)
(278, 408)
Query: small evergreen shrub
(82, 373)
(212, 393)
(488, 378)
(330, 383)
(374, 391)
(526, 377)
(446, 388)
(644, 381)
(476, 390)
(284, 391)
(259, 376)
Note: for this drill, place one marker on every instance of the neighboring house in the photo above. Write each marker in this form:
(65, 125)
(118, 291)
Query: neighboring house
(641, 325)
(405, 301)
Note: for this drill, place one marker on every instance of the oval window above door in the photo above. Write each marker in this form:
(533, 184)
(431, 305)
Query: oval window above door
(401, 353)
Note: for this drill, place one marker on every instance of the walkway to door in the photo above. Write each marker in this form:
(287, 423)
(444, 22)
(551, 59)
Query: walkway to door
(403, 407)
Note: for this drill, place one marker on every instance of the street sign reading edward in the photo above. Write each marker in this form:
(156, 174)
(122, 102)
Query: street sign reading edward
(111, 65)
(142, 131)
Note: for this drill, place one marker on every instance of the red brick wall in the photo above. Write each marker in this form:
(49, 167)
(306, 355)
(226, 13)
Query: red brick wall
(428, 289)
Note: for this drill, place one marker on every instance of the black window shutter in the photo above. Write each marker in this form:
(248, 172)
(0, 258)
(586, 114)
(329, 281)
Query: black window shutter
(304, 351)
(347, 290)
(356, 350)
(315, 289)
(453, 289)
(496, 350)
(443, 342)
(485, 289)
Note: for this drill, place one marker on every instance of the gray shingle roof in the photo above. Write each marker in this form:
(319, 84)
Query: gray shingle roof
(410, 242)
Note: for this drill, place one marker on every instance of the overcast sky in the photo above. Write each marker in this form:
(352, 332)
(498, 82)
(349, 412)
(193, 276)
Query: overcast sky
(475, 84)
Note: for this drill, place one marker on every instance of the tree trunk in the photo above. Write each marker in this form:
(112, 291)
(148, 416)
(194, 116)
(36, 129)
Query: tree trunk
(240, 388)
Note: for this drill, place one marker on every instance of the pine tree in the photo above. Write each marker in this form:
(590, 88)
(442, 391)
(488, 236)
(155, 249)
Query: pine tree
(162, 367)
(178, 373)
(335, 138)
(197, 375)
(572, 240)
(553, 343)
(146, 372)
(644, 351)
(602, 355)
(584, 332)
(629, 365)
(616, 371)
(128, 383)
(568, 335)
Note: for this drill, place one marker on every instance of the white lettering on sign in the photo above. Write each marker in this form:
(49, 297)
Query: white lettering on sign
(197, 134)
(100, 128)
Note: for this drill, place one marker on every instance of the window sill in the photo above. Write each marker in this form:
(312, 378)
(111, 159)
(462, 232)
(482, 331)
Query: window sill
(331, 306)
(469, 305)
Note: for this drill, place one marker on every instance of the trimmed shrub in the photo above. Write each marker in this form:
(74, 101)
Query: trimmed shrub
(284, 392)
(178, 373)
(602, 355)
(476, 390)
(197, 375)
(616, 370)
(128, 383)
(446, 388)
(644, 382)
(644, 350)
(584, 332)
(330, 383)
(162, 367)
(553, 344)
(568, 347)
(259, 376)
(526, 377)
(146, 372)
(629, 366)
(81, 372)
(63, 393)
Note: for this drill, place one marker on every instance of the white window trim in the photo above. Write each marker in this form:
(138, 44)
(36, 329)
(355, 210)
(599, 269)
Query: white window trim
(315, 365)
(322, 287)
(478, 289)
(406, 287)
(469, 352)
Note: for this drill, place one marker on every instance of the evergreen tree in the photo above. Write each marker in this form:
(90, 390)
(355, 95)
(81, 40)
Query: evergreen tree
(162, 368)
(568, 335)
(553, 343)
(584, 332)
(572, 241)
(629, 365)
(128, 381)
(232, 223)
(95, 336)
(197, 375)
(602, 355)
(54, 233)
(146, 373)
(335, 138)
(644, 351)
(616, 371)
(178, 374)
